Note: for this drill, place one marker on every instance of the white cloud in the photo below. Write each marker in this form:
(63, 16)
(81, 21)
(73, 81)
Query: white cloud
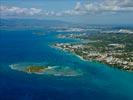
(110, 6)
(18, 11)
(78, 6)
(5, 10)
(93, 7)
(105, 6)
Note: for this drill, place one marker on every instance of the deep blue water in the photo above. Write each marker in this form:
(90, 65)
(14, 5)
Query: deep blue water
(99, 82)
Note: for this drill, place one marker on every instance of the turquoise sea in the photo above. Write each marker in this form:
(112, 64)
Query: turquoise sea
(98, 82)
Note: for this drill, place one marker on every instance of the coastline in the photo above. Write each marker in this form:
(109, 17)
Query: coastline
(95, 61)
(87, 60)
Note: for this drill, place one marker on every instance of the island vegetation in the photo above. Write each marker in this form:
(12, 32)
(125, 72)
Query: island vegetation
(35, 69)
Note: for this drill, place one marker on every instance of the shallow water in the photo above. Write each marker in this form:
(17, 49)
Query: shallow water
(99, 81)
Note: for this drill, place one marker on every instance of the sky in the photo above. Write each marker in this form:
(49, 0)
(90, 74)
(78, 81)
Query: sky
(79, 11)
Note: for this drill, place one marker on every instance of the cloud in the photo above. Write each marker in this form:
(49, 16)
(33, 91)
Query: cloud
(28, 12)
(105, 6)
(78, 6)
(95, 7)
(110, 6)
(7, 11)
(84, 8)
(77, 10)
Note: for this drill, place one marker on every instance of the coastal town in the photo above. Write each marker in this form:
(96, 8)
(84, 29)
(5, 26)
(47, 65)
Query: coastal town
(113, 49)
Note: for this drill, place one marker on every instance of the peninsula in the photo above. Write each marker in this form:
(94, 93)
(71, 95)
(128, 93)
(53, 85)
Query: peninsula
(115, 49)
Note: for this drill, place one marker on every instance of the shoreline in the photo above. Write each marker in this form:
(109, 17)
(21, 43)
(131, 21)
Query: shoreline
(95, 61)
(101, 62)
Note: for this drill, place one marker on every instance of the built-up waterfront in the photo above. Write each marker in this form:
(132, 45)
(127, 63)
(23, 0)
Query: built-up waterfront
(108, 48)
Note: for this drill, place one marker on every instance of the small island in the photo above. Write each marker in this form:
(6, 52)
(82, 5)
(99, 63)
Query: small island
(46, 70)
(35, 69)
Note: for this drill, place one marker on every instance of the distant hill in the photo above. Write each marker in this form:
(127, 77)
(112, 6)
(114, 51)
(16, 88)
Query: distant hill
(25, 23)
